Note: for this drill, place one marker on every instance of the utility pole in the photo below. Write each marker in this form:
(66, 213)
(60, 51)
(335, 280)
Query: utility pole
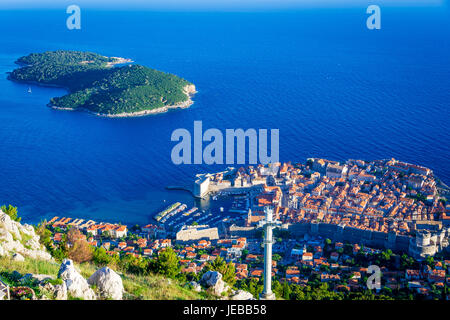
(268, 226)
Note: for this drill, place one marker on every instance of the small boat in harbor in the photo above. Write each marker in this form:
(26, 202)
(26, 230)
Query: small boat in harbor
(190, 211)
(29, 89)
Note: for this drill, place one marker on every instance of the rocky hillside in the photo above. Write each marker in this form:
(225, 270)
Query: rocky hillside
(19, 241)
(46, 280)
(32, 273)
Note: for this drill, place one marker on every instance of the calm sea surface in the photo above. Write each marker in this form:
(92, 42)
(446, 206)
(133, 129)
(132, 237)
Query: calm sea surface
(332, 87)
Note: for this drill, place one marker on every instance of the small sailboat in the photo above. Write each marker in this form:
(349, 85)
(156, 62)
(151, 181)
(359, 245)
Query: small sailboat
(29, 89)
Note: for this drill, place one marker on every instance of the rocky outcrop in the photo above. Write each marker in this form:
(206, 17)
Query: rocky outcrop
(189, 90)
(18, 257)
(108, 282)
(72, 284)
(76, 285)
(195, 286)
(30, 278)
(56, 292)
(48, 290)
(16, 238)
(241, 295)
(60, 292)
(213, 281)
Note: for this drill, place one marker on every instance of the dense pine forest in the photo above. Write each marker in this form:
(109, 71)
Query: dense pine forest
(94, 84)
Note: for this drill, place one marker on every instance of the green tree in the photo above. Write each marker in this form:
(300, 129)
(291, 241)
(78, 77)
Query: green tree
(227, 270)
(297, 293)
(101, 257)
(386, 255)
(45, 235)
(11, 211)
(286, 291)
(276, 257)
(167, 263)
(191, 276)
(430, 261)
(136, 265)
(277, 288)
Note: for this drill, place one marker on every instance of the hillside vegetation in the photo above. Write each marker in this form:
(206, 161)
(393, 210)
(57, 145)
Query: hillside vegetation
(148, 287)
(36, 267)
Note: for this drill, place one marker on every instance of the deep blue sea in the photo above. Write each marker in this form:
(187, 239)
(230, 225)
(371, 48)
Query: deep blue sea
(332, 87)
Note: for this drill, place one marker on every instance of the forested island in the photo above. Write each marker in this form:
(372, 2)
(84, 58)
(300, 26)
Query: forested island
(95, 85)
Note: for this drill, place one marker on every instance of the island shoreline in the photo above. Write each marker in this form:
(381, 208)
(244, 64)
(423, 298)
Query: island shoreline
(189, 90)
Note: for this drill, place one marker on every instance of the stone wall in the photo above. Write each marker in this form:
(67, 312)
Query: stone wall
(374, 239)
(343, 233)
